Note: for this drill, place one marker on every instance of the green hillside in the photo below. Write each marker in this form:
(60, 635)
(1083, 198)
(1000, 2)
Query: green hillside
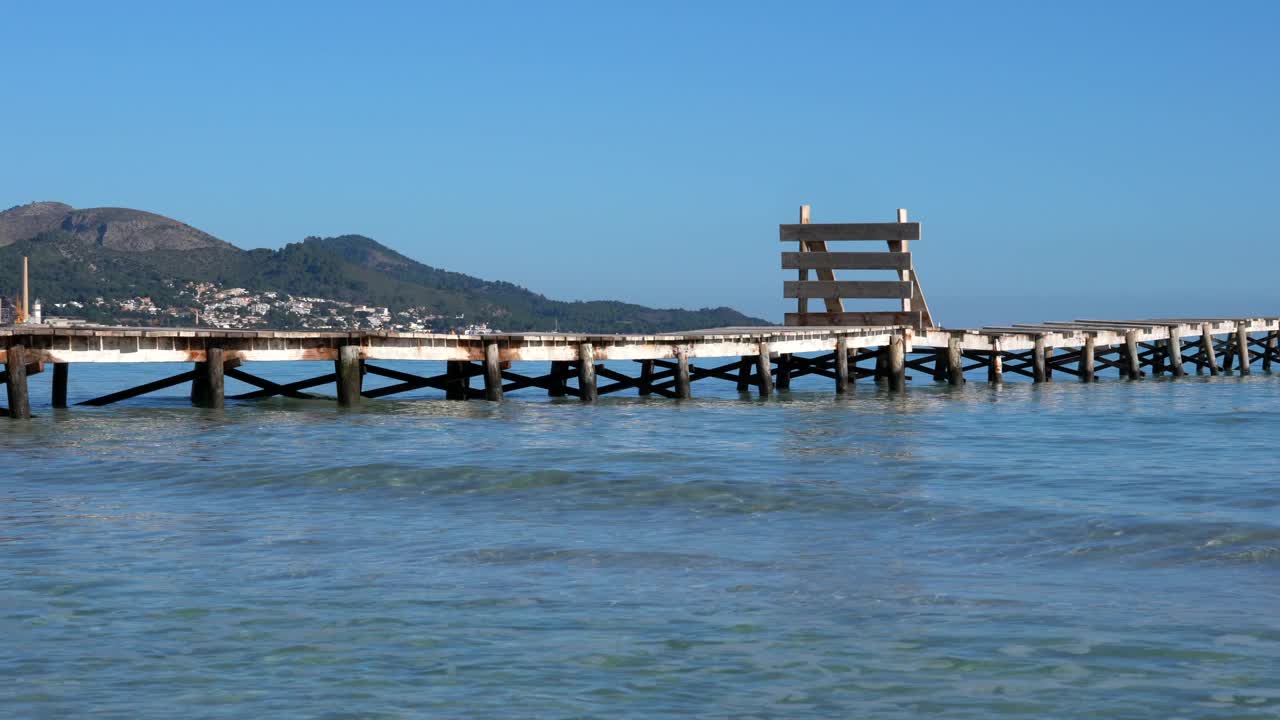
(65, 266)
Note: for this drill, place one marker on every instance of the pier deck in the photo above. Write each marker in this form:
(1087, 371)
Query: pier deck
(763, 359)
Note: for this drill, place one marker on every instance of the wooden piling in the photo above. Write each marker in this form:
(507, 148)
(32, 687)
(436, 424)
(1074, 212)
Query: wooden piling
(198, 385)
(684, 386)
(1174, 347)
(1207, 354)
(16, 383)
(347, 367)
(744, 373)
(646, 378)
(560, 370)
(1242, 347)
(1133, 366)
(995, 369)
(955, 361)
(458, 382)
(586, 372)
(764, 369)
(1086, 365)
(1037, 361)
(881, 373)
(60, 384)
(1268, 350)
(784, 371)
(897, 363)
(492, 372)
(213, 381)
(842, 364)
(940, 364)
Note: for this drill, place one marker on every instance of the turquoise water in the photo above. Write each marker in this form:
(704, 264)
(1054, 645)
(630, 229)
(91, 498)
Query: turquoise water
(1018, 551)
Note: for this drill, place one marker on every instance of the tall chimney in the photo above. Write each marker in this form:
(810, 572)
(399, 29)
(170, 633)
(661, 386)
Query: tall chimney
(26, 294)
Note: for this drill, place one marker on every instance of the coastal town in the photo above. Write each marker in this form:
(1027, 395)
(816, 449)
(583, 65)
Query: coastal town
(206, 304)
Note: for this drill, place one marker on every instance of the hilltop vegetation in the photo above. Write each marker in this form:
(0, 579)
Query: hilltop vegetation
(80, 255)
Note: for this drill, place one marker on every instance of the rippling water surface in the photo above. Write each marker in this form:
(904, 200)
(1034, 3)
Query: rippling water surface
(1022, 551)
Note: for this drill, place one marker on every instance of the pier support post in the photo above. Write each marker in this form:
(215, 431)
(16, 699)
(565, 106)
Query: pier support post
(587, 372)
(939, 364)
(744, 373)
(842, 364)
(199, 385)
(784, 371)
(1207, 355)
(897, 364)
(1086, 366)
(492, 372)
(213, 381)
(16, 383)
(1131, 355)
(60, 384)
(1174, 347)
(764, 369)
(684, 387)
(459, 382)
(882, 364)
(1037, 361)
(1242, 347)
(995, 370)
(646, 378)
(955, 361)
(1268, 349)
(347, 366)
(560, 370)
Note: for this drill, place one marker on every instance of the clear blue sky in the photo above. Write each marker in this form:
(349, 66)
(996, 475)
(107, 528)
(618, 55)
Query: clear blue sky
(1083, 158)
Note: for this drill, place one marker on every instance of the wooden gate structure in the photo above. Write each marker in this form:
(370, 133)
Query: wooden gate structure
(814, 255)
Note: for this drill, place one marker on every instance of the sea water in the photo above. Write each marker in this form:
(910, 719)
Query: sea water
(1053, 550)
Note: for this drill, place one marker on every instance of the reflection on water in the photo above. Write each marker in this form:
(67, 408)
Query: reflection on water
(1029, 551)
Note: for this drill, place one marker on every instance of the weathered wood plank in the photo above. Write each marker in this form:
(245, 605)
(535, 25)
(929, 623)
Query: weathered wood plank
(828, 232)
(142, 389)
(850, 289)
(846, 260)
(886, 318)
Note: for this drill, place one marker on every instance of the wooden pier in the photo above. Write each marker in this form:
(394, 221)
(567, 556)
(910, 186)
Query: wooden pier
(839, 344)
(761, 360)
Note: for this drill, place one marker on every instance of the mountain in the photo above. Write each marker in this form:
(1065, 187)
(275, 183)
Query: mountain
(114, 228)
(81, 255)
